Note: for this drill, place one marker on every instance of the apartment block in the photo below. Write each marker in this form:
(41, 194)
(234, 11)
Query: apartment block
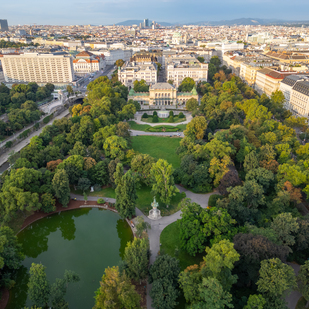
(269, 80)
(178, 67)
(131, 71)
(56, 68)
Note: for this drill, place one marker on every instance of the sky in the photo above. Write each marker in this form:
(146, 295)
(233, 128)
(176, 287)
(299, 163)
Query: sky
(108, 12)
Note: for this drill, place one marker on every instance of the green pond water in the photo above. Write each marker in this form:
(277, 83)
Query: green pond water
(83, 240)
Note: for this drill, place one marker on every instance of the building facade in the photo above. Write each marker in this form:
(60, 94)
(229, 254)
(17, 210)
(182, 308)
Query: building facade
(54, 68)
(4, 25)
(131, 71)
(162, 94)
(178, 67)
(87, 62)
(269, 80)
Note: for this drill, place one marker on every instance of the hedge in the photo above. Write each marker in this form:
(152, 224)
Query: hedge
(8, 144)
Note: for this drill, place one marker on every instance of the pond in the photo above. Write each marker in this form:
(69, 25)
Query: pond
(86, 241)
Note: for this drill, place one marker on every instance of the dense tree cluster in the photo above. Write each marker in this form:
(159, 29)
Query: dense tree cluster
(248, 148)
(20, 105)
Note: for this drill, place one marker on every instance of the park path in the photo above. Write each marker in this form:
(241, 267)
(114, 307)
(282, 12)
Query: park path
(157, 226)
(137, 132)
(293, 298)
(4, 157)
(138, 117)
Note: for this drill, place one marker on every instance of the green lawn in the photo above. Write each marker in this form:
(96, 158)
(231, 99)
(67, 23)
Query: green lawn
(169, 240)
(301, 304)
(147, 127)
(163, 128)
(140, 127)
(164, 120)
(158, 147)
(145, 198)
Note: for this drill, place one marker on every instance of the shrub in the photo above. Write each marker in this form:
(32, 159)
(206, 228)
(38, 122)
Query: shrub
(171, 114)
(170, 119)
(181, 115)
(212, 202)
(145, 115)
(155, 113)
(97, 187)
(100, 201)
(46, 119)
(155, 118)
(8, 144)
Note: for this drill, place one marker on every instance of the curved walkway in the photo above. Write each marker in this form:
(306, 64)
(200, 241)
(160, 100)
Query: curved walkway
(158, 226)
(137, 132)
(138, 117)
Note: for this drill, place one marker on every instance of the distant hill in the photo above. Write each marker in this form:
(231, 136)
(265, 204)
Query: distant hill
(137, 22)
(233, 22)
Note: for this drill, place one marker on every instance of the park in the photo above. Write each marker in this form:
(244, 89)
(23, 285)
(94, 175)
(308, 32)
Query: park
(211, 208)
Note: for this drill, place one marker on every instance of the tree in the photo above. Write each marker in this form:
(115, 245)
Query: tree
(115, 146)
(48, 203)
(191, 104)
(251, 161)
(162, 172)
(276, 278)
(61, 187)
(192, 237)
(119, 63)
(14, 200)
(189, 281)
(285, 226)
(116, 291)
(141, 164)
(163, 274)
(196, 128)
(255, 302)
(136, 258)
(83, 184)
(186, 85)
(141, 226)
(127, 112)
(118, 174)
(38, 285)
(112, 165)
(201, 59)
(253, 249)
(98, 173)
(243, 202)
(303, 279)
(213, 295)
(11, 256)
(215, 61)
(70, 90)
(126, 195)
(78, 149)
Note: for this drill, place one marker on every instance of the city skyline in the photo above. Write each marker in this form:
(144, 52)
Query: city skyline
(109, 12)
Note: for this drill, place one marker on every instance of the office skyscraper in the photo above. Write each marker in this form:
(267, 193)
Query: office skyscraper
(146, 23)
(4, 25)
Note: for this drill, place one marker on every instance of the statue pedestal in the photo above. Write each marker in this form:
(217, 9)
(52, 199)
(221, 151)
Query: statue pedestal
(154, 214)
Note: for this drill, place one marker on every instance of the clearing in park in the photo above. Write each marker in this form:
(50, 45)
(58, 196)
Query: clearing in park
(158, 147)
